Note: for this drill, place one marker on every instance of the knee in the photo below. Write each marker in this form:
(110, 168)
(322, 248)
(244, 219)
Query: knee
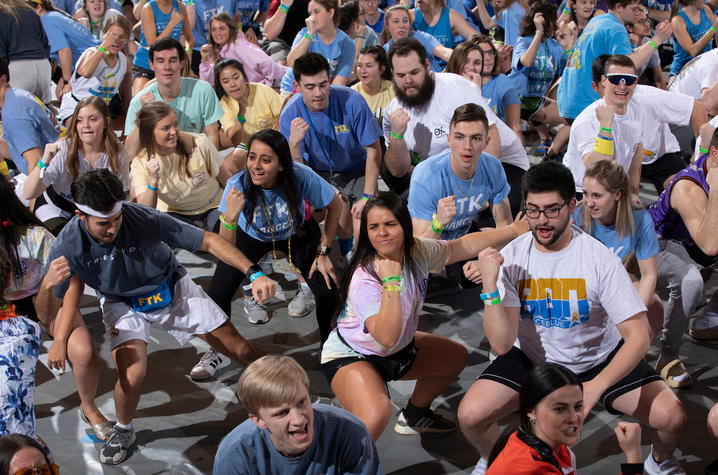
(692, 283)
(471, 415)
(376, 416)
(674, 417)
(713, 421)
(82, 353)
(131, 378)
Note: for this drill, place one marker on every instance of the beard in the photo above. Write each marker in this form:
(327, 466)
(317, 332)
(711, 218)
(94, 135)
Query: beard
(422, 97)
(557, 232)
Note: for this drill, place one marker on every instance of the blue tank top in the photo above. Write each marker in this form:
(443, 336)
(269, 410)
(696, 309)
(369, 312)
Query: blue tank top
(142, 58)
(441, 31)
(668, 223)
(695, 31)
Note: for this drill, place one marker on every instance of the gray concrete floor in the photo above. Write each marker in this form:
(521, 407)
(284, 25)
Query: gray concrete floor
(180, 422)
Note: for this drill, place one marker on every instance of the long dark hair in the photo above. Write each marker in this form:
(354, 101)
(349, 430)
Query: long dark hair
(549, 15)
(537, 384)
(15, 219)
(286, 179)
(365, 254)
(221, 65)
(11, 443)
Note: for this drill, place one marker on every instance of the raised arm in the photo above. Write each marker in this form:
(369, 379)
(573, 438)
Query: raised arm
(469, 246)
(501, 323)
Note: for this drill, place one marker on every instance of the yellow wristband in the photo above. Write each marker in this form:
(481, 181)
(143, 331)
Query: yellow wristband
(603, 146)
(3, 168)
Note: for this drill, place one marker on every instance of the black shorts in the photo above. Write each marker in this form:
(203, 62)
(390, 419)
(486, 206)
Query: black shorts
(509, 369)
(140, 72)
(390, 368)
(26, 308)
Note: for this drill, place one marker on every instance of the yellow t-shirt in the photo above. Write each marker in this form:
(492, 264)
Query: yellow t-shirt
(263, 110)
(378, 102)
(176, 192)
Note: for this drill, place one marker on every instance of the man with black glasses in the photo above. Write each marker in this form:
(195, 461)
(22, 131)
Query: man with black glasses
(558, 295)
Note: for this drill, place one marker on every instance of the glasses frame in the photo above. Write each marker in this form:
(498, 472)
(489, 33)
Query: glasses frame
(554, 212)
(51, 468)
(622, 79)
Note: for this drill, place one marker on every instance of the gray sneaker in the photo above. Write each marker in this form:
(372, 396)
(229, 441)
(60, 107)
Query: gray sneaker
(208, 365)
(117, 448)
(302, 303)
(256, 312)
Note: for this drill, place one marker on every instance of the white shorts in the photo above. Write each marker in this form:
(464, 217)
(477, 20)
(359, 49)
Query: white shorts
(191, 313)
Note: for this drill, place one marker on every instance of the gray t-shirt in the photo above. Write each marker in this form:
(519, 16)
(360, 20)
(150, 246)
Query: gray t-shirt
(138, 261)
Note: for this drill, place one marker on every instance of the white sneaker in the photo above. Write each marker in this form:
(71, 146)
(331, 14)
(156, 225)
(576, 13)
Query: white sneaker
(481, 467)
(256, 313)
(667, 467)
(302, 303)
(208, 365)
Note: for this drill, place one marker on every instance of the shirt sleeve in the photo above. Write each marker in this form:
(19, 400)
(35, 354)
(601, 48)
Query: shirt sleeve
(140, 177)
(507, 287)
(132, 111)
(212, 109)
(510, 95)
(437, 252)
(422, 202)
(617, 295)
(499, 183)
(520, 48)
(346, 58)
(55, 36)
(364, 122)
(647, 240)
(27, 139)
(177, 233)
(318, 192)
(123, 171)
(669, 107)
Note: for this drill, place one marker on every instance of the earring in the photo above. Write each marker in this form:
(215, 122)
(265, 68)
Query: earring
(532, 421)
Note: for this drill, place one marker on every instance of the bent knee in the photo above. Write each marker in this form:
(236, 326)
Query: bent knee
(375, 416)
(673, 417)
(713, 421)
(472, 416)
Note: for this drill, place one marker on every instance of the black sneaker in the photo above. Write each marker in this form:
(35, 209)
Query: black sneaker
(429, 423)
(117, 448)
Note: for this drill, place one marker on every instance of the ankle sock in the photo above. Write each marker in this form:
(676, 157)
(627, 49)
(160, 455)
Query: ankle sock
(119, 425)
(345, 245)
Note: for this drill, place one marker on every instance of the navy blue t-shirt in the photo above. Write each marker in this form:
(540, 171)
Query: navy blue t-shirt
(24, 38)
(138, 261)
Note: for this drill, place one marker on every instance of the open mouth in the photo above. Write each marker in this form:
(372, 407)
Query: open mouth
(300, 435)
(544, 232)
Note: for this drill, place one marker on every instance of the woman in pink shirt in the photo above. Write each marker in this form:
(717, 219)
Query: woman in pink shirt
(226, 41)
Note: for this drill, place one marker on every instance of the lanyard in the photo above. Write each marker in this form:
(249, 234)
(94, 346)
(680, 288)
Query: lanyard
(324, 148)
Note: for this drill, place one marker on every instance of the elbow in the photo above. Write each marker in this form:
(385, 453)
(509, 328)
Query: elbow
(388, 341)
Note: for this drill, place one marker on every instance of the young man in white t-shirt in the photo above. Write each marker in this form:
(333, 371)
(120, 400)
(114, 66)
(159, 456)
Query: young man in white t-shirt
(699, 79)
(563, 297)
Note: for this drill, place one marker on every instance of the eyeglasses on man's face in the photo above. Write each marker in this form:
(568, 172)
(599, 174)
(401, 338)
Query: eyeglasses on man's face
(550, 213)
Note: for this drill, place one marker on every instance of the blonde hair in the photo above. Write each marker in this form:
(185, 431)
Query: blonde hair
(613, 178)
(11, 6)
(271, 381)
(388, 13)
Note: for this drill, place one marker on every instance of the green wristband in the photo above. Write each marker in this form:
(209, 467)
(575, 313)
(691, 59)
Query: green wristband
(703, 150)
(397, 136)
(566, 11)
(712, 28)
(650, 42)
(309, 37)
(605, 129)
(391, 278)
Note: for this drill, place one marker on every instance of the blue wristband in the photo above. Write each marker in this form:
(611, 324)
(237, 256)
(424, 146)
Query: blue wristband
(151, 188)
(255, 275)
(490, 296)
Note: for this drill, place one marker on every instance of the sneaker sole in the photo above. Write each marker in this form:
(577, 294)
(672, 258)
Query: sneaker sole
(407, 430)
(301, 314)
(127, 454)
(201, 377)
(708, 334)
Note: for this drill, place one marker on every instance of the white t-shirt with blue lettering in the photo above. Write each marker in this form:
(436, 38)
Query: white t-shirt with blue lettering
(644, 241)
(433, 179)
(311, 187)
(570, 300)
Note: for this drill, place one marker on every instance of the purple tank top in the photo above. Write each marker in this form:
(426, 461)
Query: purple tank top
(668, 222)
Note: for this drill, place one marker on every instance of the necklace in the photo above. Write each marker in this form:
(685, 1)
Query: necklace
(292, 267)
(462, 191)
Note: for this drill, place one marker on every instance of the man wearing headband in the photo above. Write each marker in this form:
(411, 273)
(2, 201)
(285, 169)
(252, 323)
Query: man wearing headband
(123, 251)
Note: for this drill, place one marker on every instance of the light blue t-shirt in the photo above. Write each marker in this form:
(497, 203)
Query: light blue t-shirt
(196, 106)
(500, 92)
(311, 187)
(337, 136)
(549, 63)
(27, 124)
(695, 31)
(429, 43)
(644, 241)
(432, 179)
(67, 6)
(342, 445)
(510, 21)
(248, 8)
(204, 11)
(340, 54)
(441, 30)
(64, 32)
(604, 34)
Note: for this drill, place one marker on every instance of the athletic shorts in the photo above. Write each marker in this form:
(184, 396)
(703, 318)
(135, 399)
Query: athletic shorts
(191, 313)
(509, 369)
(350, 185)
(140, 72)
(390, 368)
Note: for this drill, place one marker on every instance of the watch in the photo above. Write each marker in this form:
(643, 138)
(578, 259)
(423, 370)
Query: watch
(323, 250)
(254, 268)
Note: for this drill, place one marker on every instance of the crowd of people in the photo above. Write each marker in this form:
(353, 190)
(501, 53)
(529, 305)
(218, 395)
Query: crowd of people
(382, 147)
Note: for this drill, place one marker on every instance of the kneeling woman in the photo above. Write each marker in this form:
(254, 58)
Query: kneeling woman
(376, 338)
(263, 210)
(176, 172)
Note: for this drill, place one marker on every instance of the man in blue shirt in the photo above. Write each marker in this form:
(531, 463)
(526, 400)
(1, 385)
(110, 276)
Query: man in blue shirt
(123, 251)
(28, 125)
(332, 129)
(604, 34)
(286, 434)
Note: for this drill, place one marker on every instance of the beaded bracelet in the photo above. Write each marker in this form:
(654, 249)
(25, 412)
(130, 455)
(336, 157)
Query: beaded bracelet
(283, 8)
(230, 226)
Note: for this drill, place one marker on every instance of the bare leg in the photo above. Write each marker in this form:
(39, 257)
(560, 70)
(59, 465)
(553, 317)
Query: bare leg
(227, 340)
(361, 391)
(713, 421)
(433, 374)
(656, 406)
(131, 361)
(483, 406)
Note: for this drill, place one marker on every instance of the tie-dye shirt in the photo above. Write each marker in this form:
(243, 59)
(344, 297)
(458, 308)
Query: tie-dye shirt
(364, 300)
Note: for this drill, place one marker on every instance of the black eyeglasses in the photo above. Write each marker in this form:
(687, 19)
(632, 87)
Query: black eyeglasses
(619, 78)
(644, 21)
(534, 213)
